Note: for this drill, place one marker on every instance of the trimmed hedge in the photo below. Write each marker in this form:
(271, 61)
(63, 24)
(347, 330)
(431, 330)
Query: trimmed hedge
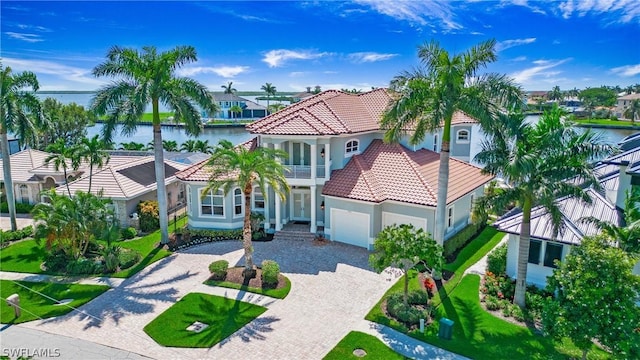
(191, 237)
(9, 236)
(408, 314)
(270, 272)
(218, 269)
(460, 239)
(128, 233)
(20, 208)
(497, 260)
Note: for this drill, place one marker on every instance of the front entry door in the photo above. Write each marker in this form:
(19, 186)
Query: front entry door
(301, 204)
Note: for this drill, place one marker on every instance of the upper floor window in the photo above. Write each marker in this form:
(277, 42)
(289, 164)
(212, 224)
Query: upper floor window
(351, 147)
(237, 202)
(212, 204)
(462, 136)
(258, 199)
(435, 142)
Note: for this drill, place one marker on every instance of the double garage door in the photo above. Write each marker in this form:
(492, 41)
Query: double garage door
(352, 227)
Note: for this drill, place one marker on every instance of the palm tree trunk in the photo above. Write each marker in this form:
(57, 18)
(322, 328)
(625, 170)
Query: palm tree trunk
(247, 244)
(443, 181)
(66, 180)
(405, 297)
(523, 254)
(584, 354)
(159, 168)
(8, 182)
(90, 175)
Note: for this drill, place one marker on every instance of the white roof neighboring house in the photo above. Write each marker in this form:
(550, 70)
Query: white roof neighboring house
(28, 166)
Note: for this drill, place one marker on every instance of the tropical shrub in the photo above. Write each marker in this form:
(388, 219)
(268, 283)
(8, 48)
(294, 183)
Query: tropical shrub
(219, 269)
(492, 303)
(8, 236)
(408, 314)
(127, 258)
(83, 266)
(270, 272)
(111, 258)
(497, 260)
(129, 233)
(20, 208)
(149, 216)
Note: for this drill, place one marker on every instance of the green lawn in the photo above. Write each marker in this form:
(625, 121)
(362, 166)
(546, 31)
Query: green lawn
(606, 122)
(35, 306)
(274, 293)
(375, 349)
(26, 256)
(224, 317)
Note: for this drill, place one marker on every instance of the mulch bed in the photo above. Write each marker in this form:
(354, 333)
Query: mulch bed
(235, 275)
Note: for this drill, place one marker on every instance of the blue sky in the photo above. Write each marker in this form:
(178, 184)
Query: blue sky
(334, 44)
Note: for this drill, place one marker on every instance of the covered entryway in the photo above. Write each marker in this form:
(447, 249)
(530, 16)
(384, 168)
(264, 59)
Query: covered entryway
(389, 219)
(350, 227)
(301, 204)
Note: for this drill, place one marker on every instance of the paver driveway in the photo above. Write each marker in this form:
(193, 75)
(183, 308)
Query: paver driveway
(332, 290)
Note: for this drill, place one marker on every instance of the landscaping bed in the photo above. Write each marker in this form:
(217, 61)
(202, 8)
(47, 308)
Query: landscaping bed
(374, 348)
(236, 280)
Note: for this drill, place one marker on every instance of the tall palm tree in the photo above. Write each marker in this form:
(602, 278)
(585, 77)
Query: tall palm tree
(425, 99)
(633, 111)
(149, 77)
(63, 156)
(19, 114)
(228, 89)
(132, 146)
(270, 90)
(241, 167)
(537, 161)
(93, 151)
(188, 146)
(555, 93)
(203, 146)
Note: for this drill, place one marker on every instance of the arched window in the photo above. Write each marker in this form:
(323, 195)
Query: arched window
(237, 202)
(23, 194)
(435, 142)
(352, 147)
(212, 204)
(462, 136)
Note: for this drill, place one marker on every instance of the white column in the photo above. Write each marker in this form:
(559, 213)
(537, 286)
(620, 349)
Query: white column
(265, 194)
(327, 161)
(314, 162)
(314, 227)
(278, 210)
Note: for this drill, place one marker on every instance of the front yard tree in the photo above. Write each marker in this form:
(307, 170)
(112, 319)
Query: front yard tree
(149, 77)
(596, 295)
(238, 166)
(63, 156)
(536, 160)
(426, 99)
(404, 247)
(18, 109)
(94, 152)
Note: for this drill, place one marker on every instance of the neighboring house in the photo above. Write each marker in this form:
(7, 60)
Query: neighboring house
(250, 109)
(616, 174)
(344, 181)
(301, 96)
(623, 103)
(129, 179)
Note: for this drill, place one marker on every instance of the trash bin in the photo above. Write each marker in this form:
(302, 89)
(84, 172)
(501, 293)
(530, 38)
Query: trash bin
(446, 329)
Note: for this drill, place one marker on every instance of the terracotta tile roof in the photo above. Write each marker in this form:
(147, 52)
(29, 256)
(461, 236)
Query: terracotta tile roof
(202, 172)
(330, 112)
(460, 117)
(393, 172)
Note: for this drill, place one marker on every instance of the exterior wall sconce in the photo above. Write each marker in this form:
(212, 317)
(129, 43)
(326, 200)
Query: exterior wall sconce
(322, 153)
(322, 206)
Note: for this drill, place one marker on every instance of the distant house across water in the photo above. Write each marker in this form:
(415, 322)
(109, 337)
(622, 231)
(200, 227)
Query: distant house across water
(235, 107)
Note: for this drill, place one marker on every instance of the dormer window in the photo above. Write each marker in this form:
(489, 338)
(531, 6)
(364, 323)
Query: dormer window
(352, 147)
(462, 136)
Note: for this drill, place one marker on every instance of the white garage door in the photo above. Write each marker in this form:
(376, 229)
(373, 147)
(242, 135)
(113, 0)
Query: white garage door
(392, 218)
(350, 227)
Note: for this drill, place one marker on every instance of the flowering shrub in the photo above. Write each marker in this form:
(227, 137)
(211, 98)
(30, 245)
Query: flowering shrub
(498, 291)
(429, 285)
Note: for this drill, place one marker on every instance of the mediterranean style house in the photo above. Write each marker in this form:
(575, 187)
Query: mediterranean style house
(226, 102)
(623, 103)
(345, 182)
(616, 174)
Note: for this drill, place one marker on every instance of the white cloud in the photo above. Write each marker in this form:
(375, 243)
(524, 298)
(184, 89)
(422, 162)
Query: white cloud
(363, 57)
(33, 27)
(277, 58)
(503, 45)
(223, 71)
(298, 73)
(541, 70)
(519, 58)
(57, 70)
(416, 12)
(627, 70)
(32, 38)
(624, 11)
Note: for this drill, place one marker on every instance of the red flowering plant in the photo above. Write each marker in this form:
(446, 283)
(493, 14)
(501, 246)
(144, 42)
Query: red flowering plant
(429, 285)
(498, 286)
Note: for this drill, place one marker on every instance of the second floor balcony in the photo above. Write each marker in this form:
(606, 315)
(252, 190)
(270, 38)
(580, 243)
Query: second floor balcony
(303, 171)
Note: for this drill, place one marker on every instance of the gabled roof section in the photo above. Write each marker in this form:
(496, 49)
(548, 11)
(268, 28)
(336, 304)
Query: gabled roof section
(201, 172)
(330, 112)
(392, 172)
(23, 162)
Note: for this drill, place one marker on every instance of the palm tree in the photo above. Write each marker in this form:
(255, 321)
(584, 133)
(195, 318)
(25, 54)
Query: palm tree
(555, 93)
(169, 145)
(188, 146)
(132, 146)
(270, 90)
(17, 106)
(93, 151)
(149, 77)
(203, 146)
(276, 107)
(63, 156)
(537, 161)
(426, 99)
(633, 111)
(260, 166)
(627, 234)
(228, 89)
(235, 110)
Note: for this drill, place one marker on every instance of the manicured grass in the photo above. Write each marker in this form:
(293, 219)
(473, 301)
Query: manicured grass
(374, 348)
(606, 122)
(224, 317)
(35, 306)
(148, 117)
(274, 293)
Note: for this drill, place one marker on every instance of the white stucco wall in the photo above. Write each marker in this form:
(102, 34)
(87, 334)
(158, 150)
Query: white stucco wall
(536, 273)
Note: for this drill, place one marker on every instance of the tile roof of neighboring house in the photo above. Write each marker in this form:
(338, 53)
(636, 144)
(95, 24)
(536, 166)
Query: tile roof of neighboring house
(302, 95)
(393, 172)
(123, 180)
(611, 165)
(330, 112)
(202, 172)
(227, 97)
(573, 210)
(629, 97)
(630, 142)
(23, 162)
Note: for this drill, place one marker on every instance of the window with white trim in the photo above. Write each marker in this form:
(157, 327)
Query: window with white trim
(258, 199)
(450, 217)
(435, 142)
(237, 202)
(212, 204)
(23, 194)
(462, 136)
(189, 200)
(352, 147)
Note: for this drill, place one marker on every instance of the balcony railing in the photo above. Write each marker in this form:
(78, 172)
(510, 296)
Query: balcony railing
(303, 171)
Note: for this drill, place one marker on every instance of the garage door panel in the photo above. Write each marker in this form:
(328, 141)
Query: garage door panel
(389, 219)
(350, 227)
